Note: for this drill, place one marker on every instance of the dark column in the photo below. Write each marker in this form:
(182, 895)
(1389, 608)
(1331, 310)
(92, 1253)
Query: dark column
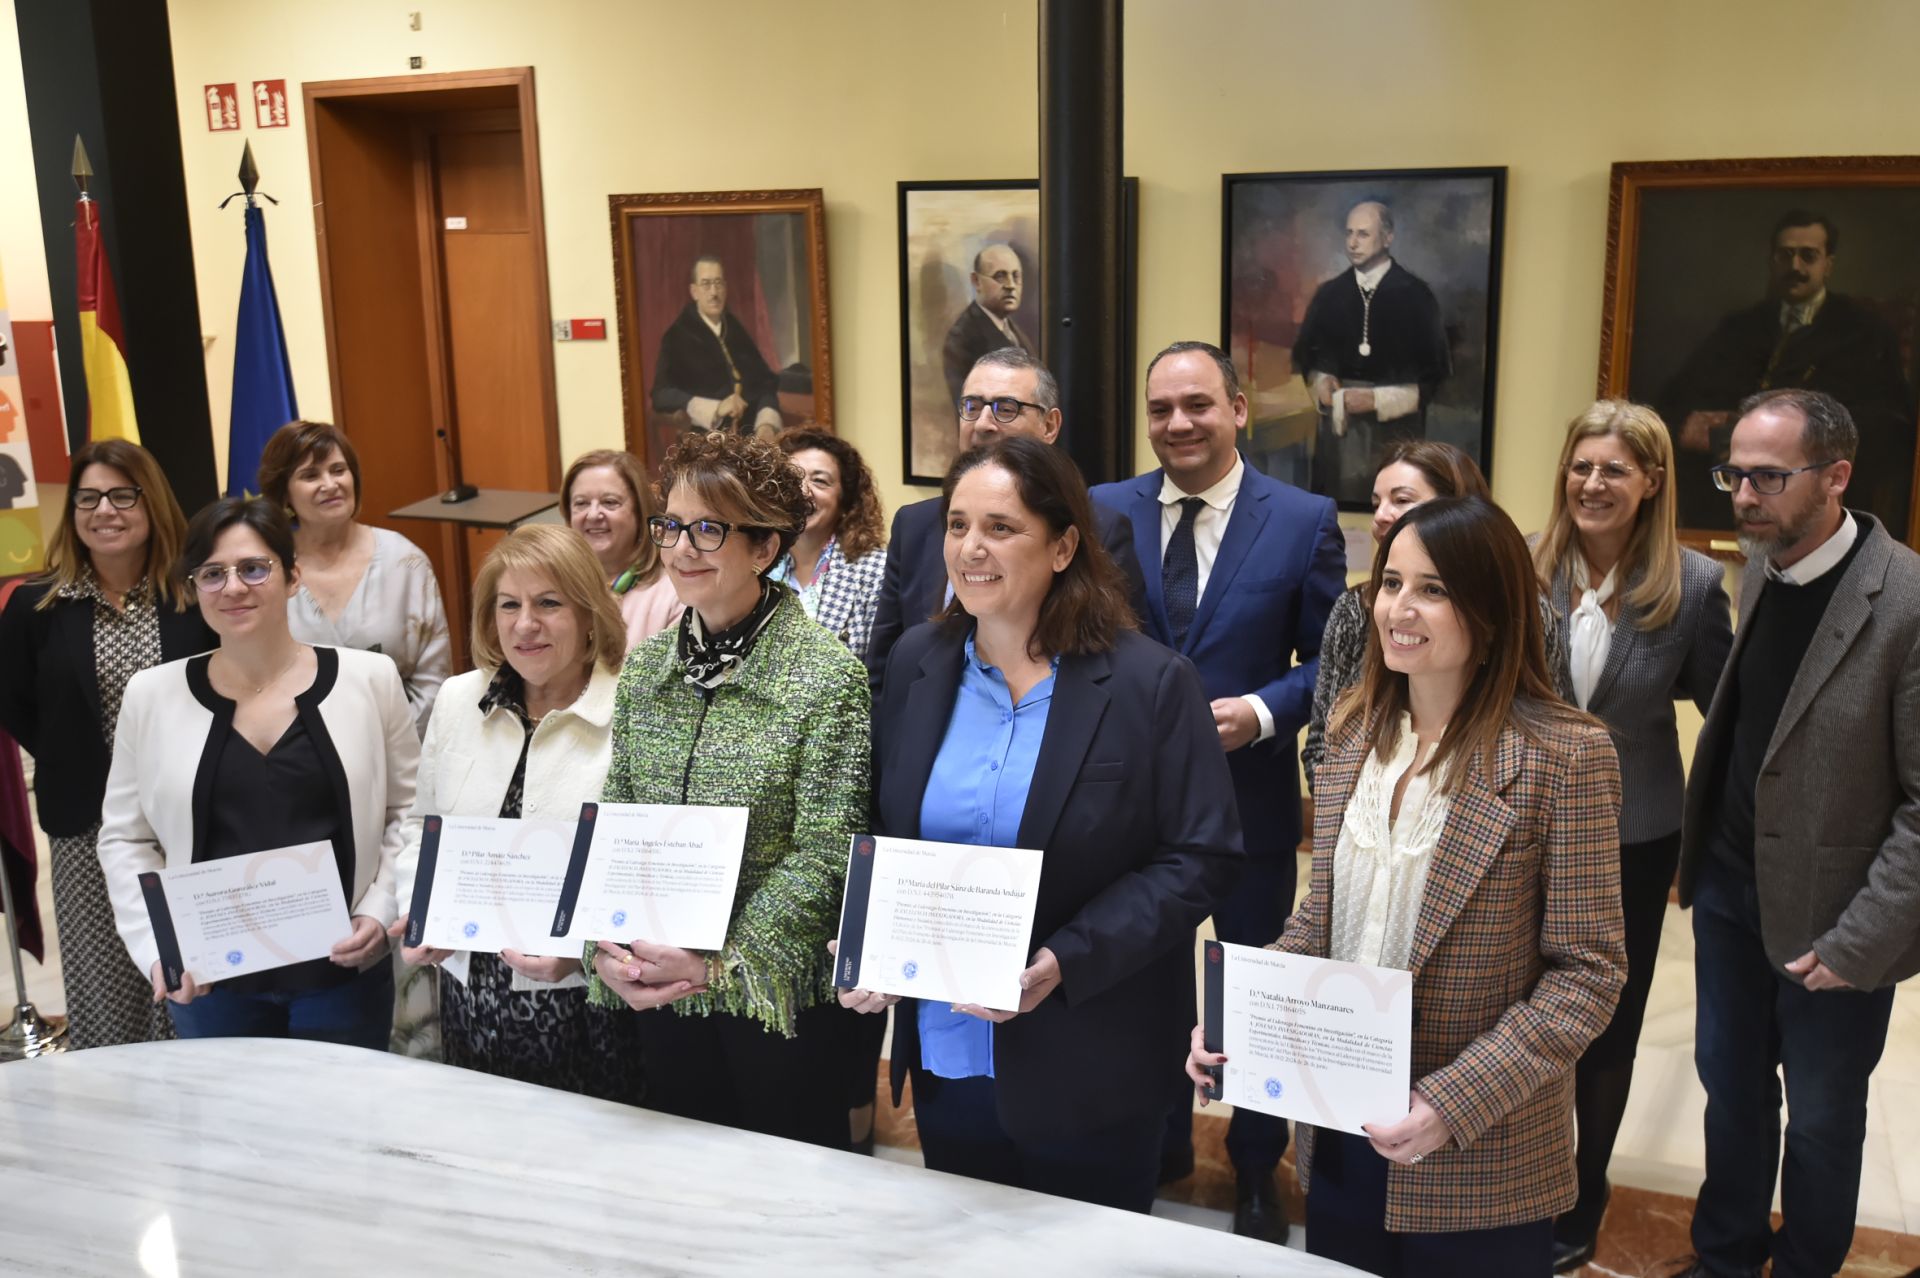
(1084, 332)
(104, 69)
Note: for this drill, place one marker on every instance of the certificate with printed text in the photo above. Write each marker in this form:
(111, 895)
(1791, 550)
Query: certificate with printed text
(950, 922)
(1309, 1039)
(242, 914)
(490, 883)
(664, 873)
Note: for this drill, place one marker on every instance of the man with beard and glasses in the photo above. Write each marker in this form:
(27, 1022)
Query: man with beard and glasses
(1801, 334)
(1800, 849)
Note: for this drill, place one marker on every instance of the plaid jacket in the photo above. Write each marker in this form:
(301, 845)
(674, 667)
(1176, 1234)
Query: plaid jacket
(1518, 959)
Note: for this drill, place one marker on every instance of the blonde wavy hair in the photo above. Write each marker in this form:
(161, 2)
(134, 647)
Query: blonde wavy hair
(1654, 547)
(563, 557)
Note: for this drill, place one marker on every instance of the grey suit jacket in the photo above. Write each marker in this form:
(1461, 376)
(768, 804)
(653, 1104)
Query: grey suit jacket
(1837, 804)
(1646, 672)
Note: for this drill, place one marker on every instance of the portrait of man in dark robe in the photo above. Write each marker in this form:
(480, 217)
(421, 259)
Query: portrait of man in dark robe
(709, 367)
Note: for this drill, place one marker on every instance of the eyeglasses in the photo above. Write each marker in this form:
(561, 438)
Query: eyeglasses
(211, 579)
(705, 534)
(1006, 409)
(1767, 481)
(1610, 474)
(119, 498)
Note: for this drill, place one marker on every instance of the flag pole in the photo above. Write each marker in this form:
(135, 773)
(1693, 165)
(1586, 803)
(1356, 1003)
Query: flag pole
(28, 1033)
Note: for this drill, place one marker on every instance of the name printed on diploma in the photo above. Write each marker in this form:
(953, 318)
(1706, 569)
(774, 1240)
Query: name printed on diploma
(1310, 1039)
(242, 914)
(488, 884)
(664, 873)
(948, 922)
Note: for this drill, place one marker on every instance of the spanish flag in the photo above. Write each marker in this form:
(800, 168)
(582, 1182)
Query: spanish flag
(103, 340)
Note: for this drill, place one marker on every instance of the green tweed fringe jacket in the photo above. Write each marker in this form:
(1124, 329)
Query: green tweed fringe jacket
(787, 739)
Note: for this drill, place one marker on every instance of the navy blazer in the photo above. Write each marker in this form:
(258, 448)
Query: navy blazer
(1281, 565)
(915, 582)
(1131, 803)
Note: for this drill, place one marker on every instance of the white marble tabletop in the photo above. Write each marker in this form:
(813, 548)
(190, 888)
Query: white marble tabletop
(251, 1156)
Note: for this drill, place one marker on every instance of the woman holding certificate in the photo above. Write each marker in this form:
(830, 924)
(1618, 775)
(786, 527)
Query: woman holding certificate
(1033, 715)
(108, 607)
(745, 703)
(265, 743)
(1465, 831)
(528, 734)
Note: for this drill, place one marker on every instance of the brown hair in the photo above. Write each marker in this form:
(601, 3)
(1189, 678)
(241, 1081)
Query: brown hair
(267, 520)
(563, 557)
(296, 444)
(1447, 470)
(67, 557)
(746, 479)
(862, 527)
(1483, 562)
(1086, 605)
(646, 555)
(1653, 548)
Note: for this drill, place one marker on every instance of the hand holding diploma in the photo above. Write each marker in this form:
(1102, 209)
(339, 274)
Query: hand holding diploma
(623, 973)
(867, 1001)
(1411, 1139)
(416, 955)
(1038, 981)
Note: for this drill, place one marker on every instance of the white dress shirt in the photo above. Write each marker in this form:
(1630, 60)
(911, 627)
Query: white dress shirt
(1209, 528)
(1380, 864)
(1590, 633)
(1823, 557)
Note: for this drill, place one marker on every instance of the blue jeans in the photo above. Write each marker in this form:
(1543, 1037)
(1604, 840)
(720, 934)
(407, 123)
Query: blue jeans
(357, 1014)
(1752, 1022)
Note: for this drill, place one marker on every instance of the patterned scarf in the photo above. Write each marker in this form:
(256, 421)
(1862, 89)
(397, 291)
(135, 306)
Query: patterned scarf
(710, 660)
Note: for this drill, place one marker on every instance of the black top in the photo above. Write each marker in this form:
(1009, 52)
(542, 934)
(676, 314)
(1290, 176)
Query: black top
(508, 691)
(694, 362)
(245, 802)
(1784, 621)
(50, 697)
(1405, 338)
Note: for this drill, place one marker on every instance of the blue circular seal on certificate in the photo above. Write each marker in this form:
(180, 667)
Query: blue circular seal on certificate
(619, 918)
(470, 930)
(909, 969)
(1274, 1089)
(235, 958)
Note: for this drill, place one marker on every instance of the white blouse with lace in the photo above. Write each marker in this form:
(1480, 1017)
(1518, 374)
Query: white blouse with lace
(1380, 864)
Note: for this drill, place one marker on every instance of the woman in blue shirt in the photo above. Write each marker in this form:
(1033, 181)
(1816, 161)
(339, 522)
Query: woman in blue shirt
(1033, 715)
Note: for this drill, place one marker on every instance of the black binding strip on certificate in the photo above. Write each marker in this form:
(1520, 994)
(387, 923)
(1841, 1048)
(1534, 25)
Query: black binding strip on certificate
(423, 882)
(853, 912)
(172, 969)
(1215, 1019)
(576, 870)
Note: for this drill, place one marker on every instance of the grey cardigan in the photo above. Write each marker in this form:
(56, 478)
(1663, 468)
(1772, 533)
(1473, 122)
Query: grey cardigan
(1837, 803)
(1646, 672)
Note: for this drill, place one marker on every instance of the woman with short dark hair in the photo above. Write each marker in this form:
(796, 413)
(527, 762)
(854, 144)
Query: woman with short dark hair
(265, 743)
(106, 608)
(745, 703)
(1034, 715)
(360, 586)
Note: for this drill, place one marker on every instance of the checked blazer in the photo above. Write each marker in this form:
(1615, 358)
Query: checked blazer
(1518, 959)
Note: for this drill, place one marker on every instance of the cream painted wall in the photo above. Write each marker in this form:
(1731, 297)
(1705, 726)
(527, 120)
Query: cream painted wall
(22, 253)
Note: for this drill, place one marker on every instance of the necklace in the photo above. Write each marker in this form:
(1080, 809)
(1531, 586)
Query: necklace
(1366, 316)
(276, 679)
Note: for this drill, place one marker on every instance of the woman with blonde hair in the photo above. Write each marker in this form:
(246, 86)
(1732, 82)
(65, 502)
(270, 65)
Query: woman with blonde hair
(1649, 625)
(607, 500)
(528, 734)
(107, 607)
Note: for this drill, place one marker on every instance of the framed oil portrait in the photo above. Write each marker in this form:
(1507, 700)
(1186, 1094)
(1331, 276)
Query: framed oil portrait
(722, 314)
(1360, 308)
(970, 283)
(1729, 277)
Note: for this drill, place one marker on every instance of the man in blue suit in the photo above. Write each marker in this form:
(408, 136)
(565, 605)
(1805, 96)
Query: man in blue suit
(1247, 569)
(1007, 392)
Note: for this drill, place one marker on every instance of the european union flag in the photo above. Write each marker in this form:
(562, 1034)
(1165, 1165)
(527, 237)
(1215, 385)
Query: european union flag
(262, 378)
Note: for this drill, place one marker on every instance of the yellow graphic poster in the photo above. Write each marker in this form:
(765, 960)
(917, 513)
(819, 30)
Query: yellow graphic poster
(21, 550)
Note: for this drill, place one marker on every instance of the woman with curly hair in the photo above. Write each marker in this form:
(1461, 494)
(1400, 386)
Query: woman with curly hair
(839, 557)
(746, 703)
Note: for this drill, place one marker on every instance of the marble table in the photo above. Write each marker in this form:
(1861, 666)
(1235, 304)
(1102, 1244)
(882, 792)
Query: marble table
(251, 1156)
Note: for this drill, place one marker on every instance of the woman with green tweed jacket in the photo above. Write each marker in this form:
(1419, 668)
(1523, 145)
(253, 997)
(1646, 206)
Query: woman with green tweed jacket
(746, 703)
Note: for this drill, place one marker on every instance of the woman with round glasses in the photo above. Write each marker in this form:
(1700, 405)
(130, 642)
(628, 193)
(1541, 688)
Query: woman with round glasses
(608, 501)
(265, 743)
(746, 703)
(360, 587)
(1649, 625)
(106, 608)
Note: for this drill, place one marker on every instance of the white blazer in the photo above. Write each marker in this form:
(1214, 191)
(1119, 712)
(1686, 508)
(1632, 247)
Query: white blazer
(469, 757)
(147, 819)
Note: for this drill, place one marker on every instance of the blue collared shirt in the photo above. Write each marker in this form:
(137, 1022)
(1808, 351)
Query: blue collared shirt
(977, 793)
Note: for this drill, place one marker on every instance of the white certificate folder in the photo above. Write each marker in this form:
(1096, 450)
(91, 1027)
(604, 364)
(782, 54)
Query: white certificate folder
(236, 915)
(1307, 1038)
(487, 884)
(947, 922)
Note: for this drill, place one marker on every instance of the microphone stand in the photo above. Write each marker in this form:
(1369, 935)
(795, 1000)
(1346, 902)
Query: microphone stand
(28, 1033)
